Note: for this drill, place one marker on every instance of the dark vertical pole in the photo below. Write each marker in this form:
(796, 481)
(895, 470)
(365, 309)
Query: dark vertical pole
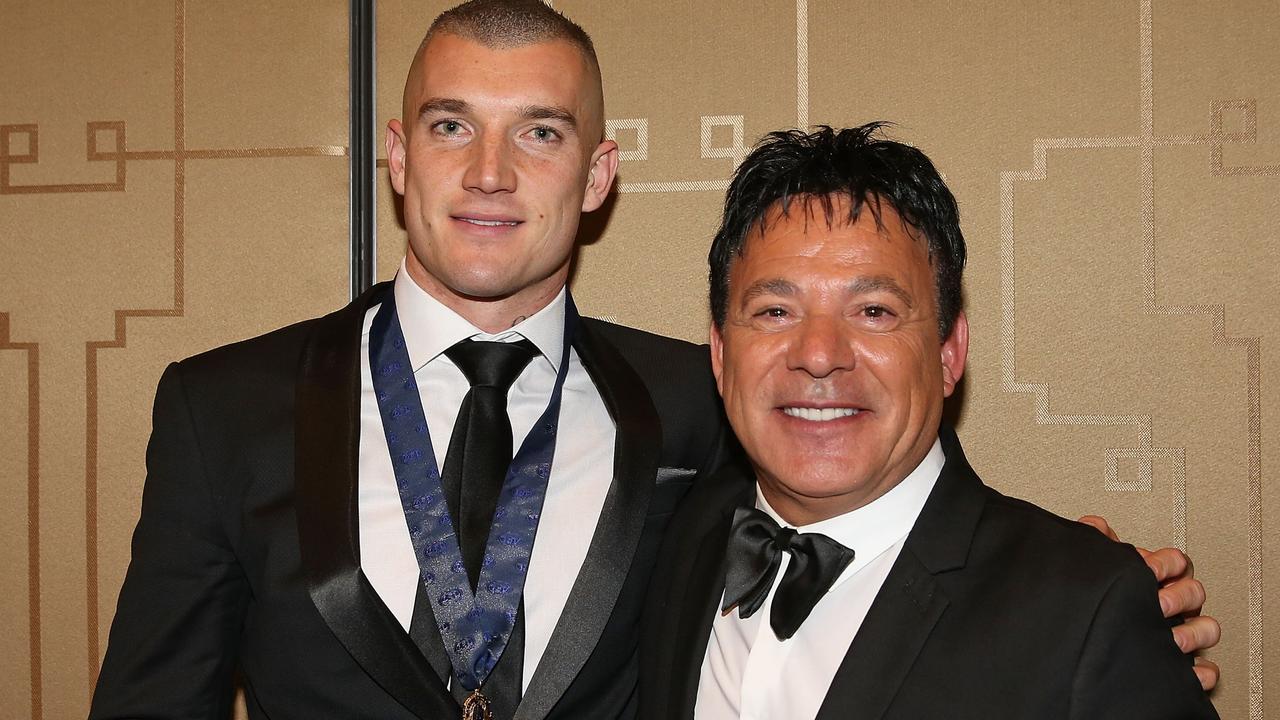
(363, 148)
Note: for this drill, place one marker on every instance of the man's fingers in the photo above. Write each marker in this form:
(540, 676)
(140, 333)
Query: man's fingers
(1170, 564)
(1206, 673)
(1180, 594)
(1184, 596)
(1100, 523)
(1197, 633)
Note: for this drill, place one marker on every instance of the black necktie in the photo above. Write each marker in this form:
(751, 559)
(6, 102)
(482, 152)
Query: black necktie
(756, 544)
(480, 447)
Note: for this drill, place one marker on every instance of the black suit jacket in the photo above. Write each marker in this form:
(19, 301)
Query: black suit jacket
(247, 552)
(994, 609)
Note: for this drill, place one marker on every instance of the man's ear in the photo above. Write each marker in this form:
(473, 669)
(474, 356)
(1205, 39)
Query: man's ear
(717, 356)
(395, 143)
(604, 166)
(955, 352)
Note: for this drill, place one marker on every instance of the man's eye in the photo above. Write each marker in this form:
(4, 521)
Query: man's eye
(448, 127)
(773, 312)
(544, 134)
(876, 311)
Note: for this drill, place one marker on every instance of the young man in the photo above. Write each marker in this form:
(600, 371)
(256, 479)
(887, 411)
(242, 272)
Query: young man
(276, 539)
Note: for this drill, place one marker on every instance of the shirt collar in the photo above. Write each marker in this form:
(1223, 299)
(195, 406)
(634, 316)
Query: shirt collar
(879, 525)
(430, 327)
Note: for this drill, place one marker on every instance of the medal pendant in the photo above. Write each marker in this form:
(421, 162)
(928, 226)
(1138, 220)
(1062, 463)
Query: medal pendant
(476, 707)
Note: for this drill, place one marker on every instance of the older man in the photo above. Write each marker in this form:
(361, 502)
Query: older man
(862, 570)
(345, 509)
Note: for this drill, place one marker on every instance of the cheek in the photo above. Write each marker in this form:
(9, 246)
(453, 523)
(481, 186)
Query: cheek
(903, 359)
(730, 379)
(752, 368)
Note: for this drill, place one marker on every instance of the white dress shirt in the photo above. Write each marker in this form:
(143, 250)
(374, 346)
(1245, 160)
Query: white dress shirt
(581, 471)
(748, 672)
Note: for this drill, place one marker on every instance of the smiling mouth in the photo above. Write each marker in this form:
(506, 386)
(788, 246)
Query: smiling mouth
(820, 414)
(489, 223)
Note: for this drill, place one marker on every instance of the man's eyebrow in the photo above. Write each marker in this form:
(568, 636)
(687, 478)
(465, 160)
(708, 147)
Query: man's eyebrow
(875, 283)
(549, 112)
(772, 286)
(443, 105)
(859, 286)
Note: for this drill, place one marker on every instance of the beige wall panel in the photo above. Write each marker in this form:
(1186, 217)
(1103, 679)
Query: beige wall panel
(649, 268)
(101, 250)
(1215, 52)
(960, 77)
(15, 606)
(67, 62)
(392, 240)
(672, 64)
(175, 179)
(262, 75)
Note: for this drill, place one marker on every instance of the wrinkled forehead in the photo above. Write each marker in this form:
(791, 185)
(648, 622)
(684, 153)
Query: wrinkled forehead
(818, 215)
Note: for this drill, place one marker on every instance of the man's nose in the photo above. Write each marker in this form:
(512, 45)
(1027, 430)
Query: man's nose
(823, 345)
(490, 168)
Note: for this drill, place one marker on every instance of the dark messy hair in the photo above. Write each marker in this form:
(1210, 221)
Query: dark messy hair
(855, 163)
(511, 23)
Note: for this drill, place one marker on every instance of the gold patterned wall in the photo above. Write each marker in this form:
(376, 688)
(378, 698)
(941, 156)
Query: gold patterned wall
(173, 176)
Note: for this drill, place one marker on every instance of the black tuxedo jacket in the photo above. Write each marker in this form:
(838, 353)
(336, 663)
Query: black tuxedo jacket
(994, 609)
(247, 552)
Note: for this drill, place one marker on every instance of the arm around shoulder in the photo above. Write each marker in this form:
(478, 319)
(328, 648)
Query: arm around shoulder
(1130, 666)
(173, 641)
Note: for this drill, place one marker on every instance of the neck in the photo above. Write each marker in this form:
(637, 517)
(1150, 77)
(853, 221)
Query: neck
(491, 314)
(800, 510)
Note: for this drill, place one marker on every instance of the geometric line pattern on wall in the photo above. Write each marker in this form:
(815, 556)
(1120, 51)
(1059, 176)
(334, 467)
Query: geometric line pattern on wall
(1248, 134)
(737, 150)
(1146, 142)
(802, 64)
(120, 155)
(639, 127)
(106, 142)
(32, 351)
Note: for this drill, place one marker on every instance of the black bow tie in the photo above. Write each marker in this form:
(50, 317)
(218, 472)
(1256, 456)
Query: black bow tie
(756, 544)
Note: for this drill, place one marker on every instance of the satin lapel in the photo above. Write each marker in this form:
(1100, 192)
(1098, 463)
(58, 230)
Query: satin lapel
(911, 600)
(703, 587)
(326, 460)
(638, 444)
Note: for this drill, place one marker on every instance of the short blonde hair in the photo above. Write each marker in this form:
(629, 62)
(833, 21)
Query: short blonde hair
(511, 23)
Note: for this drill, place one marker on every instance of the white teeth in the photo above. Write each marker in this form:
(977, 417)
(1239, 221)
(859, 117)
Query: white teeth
(819, 414)
(490, 223)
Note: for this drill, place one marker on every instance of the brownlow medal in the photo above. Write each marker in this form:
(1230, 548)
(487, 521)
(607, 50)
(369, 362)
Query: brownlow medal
(476, 707)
